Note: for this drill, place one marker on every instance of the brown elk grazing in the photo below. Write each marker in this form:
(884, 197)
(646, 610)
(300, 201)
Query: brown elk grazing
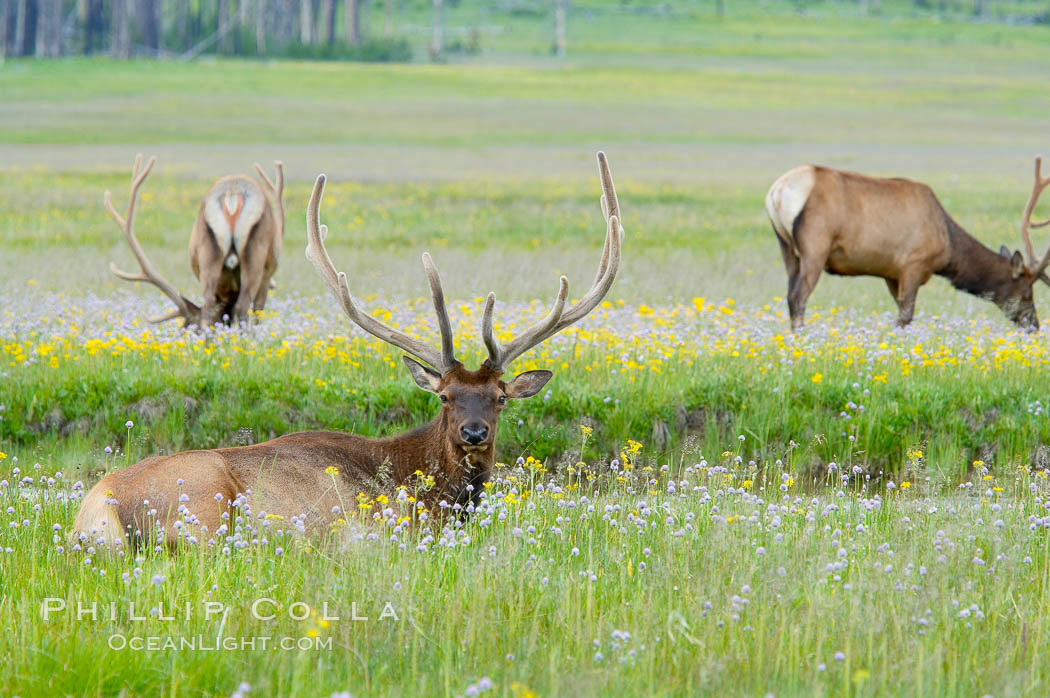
(234, 247)
(311, 475)
(850, 224)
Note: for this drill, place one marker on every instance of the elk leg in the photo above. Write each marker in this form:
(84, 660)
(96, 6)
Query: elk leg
(259, 303)
(211, 310)
(799, 288)
(892, 285)
(252, 281)
(791, 265)
(908, 288)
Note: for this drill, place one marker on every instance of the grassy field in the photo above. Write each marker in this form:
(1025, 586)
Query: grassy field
(701, 503)
(709, 580)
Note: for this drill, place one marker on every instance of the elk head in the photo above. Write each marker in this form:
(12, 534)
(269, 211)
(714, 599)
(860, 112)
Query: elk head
(1017, 298)
(233, 200)
(471, 400)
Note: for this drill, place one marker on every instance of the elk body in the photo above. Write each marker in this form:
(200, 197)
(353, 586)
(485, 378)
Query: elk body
(306, 475)
(850, 224)
(234, 247)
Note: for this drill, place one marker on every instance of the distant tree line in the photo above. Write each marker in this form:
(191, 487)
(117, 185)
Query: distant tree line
(187, 28)
(337, 29)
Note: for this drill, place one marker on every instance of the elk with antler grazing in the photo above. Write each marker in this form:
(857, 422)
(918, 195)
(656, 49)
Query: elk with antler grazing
(234, 247)
(853, 225)
(310, 475)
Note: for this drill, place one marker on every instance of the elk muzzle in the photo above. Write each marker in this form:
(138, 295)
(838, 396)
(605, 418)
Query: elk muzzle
(474, 434)
(1028, 321)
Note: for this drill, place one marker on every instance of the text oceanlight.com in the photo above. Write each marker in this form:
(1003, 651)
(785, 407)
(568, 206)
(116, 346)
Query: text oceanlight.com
(204, 643)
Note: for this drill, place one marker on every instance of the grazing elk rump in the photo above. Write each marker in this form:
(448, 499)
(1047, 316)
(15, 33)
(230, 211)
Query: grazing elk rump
(850, 224)
(306, 475)
(234, 247)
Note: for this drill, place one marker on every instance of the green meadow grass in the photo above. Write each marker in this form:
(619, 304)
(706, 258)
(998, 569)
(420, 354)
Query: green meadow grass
(683, 394)
(722, 585)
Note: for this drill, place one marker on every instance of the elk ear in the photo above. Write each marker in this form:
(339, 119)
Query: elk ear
(1017, 265)
(1004, 252)
(527, 384)
(426, 378)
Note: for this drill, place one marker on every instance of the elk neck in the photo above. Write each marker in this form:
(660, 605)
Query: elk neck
(463, 468)
(432, 449)
(972, 267)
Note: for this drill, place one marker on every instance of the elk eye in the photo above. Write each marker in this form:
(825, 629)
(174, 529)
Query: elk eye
(502, 399)
(444, 398)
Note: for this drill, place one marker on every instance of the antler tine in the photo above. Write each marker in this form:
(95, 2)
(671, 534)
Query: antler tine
(1026, 220)
(336, 281)
(186, 309)
(275, 190)
(1041, 268)
(165, 317)
(499, 356)
(559, 318)
(275, 186)
(609, 265)
(610, 206)
(448, 352)
(488, 334)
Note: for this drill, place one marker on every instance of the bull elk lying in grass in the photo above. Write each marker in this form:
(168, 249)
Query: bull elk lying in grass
(305, 475)
(853, 225)
(234, 247)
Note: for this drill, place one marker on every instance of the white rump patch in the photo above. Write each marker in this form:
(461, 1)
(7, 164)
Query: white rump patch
(786, 199)
(231, 209)
(98, 520)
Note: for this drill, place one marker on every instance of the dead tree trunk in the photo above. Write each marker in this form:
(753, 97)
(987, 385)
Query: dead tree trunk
(328, 12)
(262, 9)
(5, 11)
(80, 44)
(19, 29)
(223, 27)
(288, 16)
(353, 22)
(282, 27)
(559, 27)
(54, 34)
(42, 20)
(243, 9)
(48, 28)
(121, 29)
(32, 16)
(96, 26)
(307, 27)
(149, 24)
(437, 42)
(182, 24)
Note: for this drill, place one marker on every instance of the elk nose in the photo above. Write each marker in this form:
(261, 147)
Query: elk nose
(474, 434)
